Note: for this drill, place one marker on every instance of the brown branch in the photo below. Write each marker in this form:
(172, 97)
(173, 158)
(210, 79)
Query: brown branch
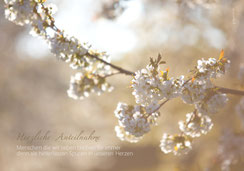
(121, 70)
(230, 91)
(160, 105)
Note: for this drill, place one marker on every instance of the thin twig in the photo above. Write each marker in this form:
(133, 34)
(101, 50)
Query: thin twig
(186, 81)
(160, 105)
(121, 70)
(155, 110)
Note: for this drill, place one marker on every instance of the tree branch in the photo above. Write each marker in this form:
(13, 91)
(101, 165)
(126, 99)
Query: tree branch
(230, 91)
(121, 70)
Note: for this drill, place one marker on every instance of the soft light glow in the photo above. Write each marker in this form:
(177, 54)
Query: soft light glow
(77, 19)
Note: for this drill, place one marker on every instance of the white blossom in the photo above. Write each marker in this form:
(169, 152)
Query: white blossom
(19, 11)
(149, 87)
(125, 136)
(212, 68)
(67, 48)
(171, 88)
(195, 124)
(195, 91)
(178, 144)
(145, 86)
(81, 85)
(212, 104)
(134, 119)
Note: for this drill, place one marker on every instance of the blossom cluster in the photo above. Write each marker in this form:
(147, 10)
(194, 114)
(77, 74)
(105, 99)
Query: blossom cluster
(82, 84)
(134, 121)
(178, 144)
(20, 11)
(80, 56)
(196, 124)
(151, 86)
(201, 92)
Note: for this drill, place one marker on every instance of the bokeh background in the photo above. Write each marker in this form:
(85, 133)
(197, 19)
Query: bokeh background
(33, 83)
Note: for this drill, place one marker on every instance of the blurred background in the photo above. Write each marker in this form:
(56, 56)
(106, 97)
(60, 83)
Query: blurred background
(33, 83)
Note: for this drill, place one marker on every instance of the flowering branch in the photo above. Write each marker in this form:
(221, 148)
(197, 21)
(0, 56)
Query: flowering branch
(150, 85)
(126, 72)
